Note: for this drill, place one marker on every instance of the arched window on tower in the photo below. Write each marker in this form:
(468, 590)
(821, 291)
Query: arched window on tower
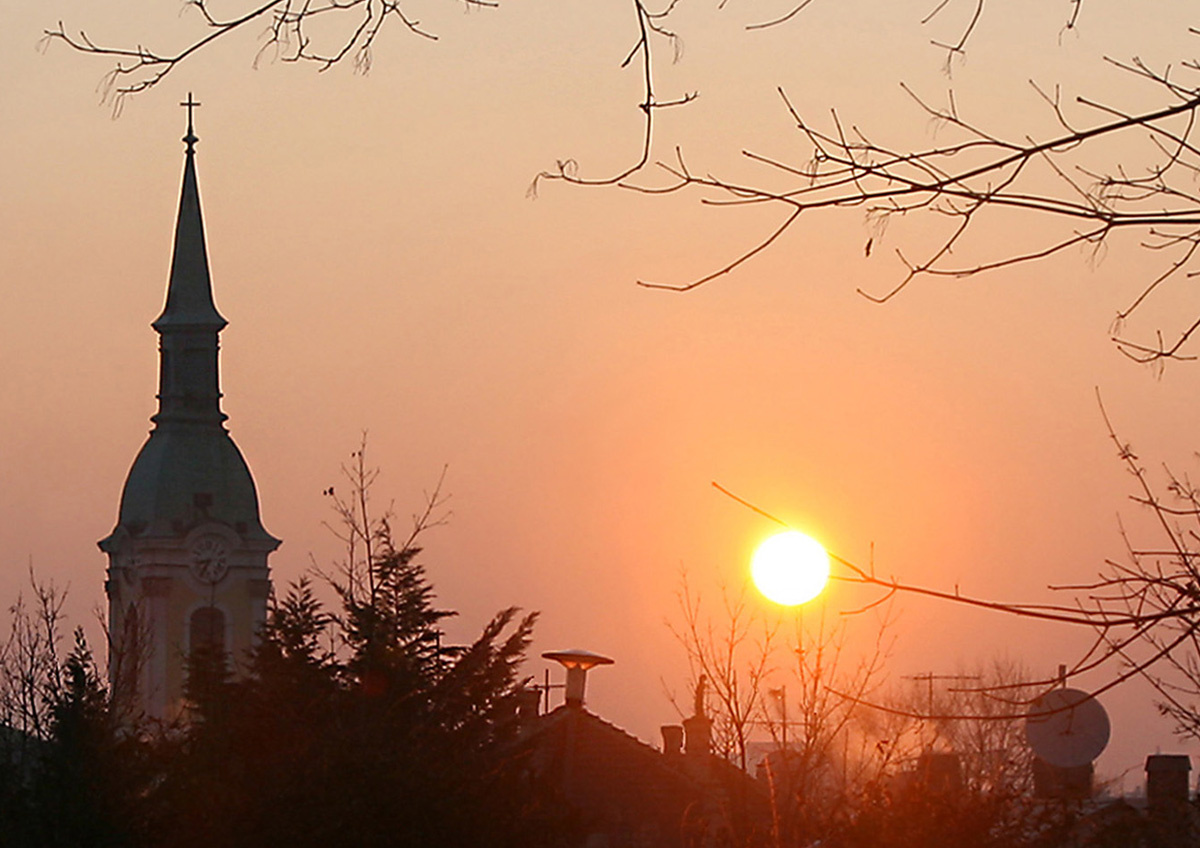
(207, 668)
(206, 631)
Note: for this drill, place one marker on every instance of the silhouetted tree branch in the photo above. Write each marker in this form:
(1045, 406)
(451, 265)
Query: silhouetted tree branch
(733, 652)
(961, 185)
(310, 31)
(1145, 612)
(825, 751)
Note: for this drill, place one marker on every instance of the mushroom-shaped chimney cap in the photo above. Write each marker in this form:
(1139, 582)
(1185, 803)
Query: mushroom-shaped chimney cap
(577, 663)
(577, 658)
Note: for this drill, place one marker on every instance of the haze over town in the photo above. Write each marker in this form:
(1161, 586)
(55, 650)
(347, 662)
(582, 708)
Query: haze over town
(383, 270)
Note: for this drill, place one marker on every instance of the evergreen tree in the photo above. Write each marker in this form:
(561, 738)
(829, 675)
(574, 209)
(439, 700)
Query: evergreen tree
(87, 784)
(395, 740)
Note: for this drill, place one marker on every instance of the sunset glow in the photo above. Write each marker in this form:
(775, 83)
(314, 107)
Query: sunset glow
(790, 568)
(375, 244)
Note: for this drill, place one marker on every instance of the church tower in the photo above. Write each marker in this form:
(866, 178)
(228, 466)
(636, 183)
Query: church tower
(187, 561)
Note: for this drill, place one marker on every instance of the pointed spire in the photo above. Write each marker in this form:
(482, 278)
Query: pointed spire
(189, 293)
(189, 373)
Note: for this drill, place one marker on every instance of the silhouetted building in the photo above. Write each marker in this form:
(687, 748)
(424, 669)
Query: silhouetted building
(187, 560)
(622, 792)
(1167, 781)
(1170, 818)
(1173, 818)
(1063, 783)
(940, 772)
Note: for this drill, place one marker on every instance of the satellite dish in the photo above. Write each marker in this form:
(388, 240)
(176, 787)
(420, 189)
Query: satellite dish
(1067, 728)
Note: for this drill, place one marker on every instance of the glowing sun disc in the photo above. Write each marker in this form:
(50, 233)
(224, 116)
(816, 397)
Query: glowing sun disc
(790, 568)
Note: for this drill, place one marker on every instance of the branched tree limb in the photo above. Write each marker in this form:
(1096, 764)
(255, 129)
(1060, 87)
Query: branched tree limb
(650, 26)
(1145, 612)
(322, 33)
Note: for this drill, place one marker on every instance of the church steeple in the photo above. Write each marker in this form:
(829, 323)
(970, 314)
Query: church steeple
(188, 556)
(189, 383)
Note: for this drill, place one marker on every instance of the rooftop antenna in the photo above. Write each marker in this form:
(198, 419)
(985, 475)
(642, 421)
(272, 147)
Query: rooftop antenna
(930, 678)
(545, 686)
(577, 662)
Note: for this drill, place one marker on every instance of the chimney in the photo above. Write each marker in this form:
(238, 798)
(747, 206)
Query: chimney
(528, 705)
(1051, 781)
(698, 728)
(577, 663)
(1167, 780)
(672, 736)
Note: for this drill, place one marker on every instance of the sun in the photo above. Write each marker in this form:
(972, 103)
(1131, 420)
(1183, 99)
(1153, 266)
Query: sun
(790, 568)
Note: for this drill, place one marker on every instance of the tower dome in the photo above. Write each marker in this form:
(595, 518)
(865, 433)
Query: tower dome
(187, 475)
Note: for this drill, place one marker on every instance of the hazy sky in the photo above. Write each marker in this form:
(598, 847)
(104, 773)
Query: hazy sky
(382, 269)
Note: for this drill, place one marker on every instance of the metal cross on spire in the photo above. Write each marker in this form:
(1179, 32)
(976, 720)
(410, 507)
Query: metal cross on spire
(190, 139)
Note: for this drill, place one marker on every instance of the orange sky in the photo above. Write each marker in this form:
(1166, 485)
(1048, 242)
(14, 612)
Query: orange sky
(382, 269)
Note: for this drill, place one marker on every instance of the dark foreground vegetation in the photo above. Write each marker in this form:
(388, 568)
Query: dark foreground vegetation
(354, 723)
(354, 727)
(358, 727)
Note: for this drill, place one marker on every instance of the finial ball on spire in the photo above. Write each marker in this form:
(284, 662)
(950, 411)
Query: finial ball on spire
(190, 139)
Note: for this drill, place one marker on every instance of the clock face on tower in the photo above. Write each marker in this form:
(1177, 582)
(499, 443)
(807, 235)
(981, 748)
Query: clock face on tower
(210, 558)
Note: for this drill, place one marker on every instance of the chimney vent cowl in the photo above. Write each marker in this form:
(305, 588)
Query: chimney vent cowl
(577, 662)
